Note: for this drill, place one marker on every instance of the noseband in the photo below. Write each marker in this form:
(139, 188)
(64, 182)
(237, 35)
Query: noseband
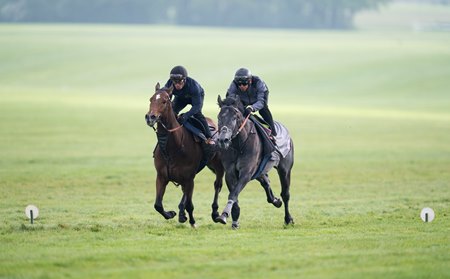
(242, 125)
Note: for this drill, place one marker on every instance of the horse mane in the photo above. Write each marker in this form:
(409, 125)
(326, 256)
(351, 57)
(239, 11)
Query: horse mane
(234, 102)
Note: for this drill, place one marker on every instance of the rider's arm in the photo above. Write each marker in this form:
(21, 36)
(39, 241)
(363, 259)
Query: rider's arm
(197, 100)
(261, 91)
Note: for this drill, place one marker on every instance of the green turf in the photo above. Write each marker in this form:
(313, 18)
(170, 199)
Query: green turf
(368, 112)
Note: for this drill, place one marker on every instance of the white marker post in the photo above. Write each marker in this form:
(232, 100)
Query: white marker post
(32, 212)
(427, 214)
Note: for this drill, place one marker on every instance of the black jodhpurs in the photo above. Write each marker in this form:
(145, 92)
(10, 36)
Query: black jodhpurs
(202, 119)
(267, 116)
(178, 106)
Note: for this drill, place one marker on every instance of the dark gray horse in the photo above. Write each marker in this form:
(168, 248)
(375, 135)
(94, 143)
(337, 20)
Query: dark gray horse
(243, 156)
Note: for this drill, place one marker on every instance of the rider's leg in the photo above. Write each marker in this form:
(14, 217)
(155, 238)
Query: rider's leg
(202, 119)
(267, 116)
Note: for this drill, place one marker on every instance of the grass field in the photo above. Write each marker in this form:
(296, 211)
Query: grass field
(369, 114)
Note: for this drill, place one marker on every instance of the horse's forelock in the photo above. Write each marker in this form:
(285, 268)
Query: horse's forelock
(230, 101)
(228, 111)
(163, 90)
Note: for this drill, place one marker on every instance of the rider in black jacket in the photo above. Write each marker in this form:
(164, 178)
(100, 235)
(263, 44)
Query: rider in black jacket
(253, 93)
(187, 91)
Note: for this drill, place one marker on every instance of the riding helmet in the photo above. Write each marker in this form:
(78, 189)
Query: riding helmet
(242, 75)
(178, 73)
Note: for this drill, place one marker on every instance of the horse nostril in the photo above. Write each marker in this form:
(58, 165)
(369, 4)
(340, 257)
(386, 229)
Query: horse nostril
(152, 117)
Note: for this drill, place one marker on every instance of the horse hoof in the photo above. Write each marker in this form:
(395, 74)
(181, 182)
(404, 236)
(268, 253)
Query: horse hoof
(194, 226)
(214, 216)
(235, 225)
(289, 221)
(221, 219)
(277, 203)
(182, 218)
(170, 214)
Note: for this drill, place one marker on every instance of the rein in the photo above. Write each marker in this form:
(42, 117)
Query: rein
(239, 130)
(242, 125)
(168, 130)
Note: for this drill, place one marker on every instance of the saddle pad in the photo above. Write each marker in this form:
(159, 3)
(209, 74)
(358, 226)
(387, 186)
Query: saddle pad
(283, 139)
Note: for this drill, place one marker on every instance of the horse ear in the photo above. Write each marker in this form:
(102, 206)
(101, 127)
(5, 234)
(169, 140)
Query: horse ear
(219, 101)
(157, 86)
(169, 90)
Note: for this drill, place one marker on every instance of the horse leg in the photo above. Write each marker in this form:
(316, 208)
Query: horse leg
(182, 214)
(235, 212)
(285, 179)
(215, 204)
(231, 181)
(265, 183)
(217, 168)
(161, 183)
(189, 186)
(233, 196)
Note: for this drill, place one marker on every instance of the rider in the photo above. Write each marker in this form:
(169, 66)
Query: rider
(253, 93)
(188, 91)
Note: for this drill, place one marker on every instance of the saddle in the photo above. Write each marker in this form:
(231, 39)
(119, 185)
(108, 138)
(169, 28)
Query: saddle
(264, 133)
(197, 129)
(268, 147)
(282, 139)
(270, 150)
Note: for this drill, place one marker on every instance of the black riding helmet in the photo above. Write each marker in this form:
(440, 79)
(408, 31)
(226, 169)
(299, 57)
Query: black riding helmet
(243, 76)
(178, 74)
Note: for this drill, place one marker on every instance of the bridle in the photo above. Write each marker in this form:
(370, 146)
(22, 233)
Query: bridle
(240, 127)
(164, 126)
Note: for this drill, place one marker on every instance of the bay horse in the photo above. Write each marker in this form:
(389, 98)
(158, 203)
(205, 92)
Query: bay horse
(243, 156)
(177, 157)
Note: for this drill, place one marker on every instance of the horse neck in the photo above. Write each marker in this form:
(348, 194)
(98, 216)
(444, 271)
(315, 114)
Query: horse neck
(169, 121)
(243, 135)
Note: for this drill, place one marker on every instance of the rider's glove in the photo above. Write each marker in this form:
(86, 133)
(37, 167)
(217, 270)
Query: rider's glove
(249, 109)
(182, 118)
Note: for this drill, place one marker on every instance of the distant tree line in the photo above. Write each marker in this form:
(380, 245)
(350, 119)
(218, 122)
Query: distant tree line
(311, 14)
(435, 2)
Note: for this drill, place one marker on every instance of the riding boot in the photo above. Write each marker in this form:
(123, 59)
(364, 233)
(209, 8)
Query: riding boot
(267, 116)
(273, 132)
(207, 132)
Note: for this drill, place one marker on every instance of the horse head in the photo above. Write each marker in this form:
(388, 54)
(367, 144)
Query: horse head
(229, 119)
(159, 104)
